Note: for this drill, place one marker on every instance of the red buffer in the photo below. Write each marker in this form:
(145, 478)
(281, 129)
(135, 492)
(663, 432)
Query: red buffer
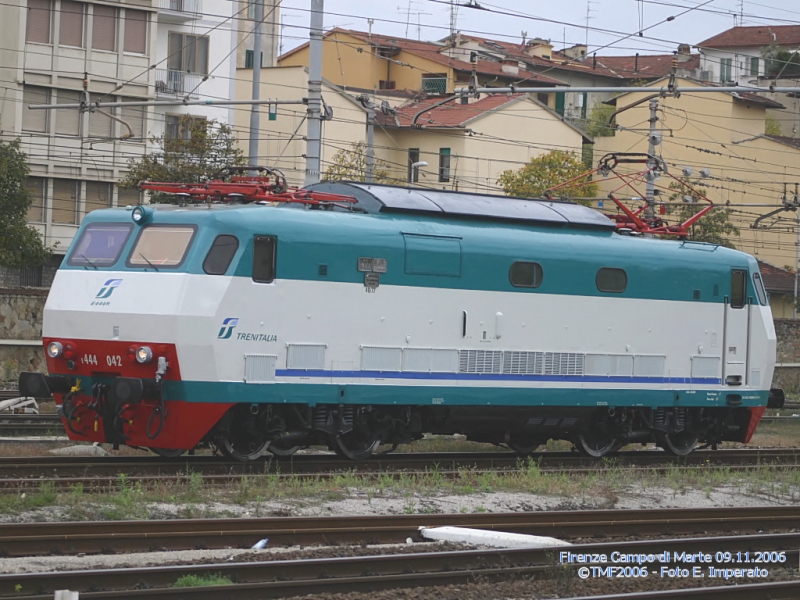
(235, 184)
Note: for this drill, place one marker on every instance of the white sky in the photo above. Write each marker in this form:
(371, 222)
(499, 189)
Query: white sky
(610, 22)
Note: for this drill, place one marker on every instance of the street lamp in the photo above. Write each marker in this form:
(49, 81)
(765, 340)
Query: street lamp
(414, 170)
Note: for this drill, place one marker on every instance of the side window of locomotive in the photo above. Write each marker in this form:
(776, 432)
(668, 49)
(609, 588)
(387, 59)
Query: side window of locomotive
(760, 290)
(264, 259)
(100, 245)
(611, 280)
(525, 274)
(220, 254)
(738, 288)
(161, 246)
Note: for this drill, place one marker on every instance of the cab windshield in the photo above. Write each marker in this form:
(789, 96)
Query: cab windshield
(161, 246)
(100, 245)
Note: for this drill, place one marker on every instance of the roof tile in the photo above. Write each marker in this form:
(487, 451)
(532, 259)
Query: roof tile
(760, 35)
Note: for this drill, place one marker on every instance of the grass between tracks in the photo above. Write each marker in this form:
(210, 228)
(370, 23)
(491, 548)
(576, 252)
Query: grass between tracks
(194, 499)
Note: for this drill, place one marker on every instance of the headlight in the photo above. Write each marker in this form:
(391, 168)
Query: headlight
(140, 214)
(144, 355)
(54, 349)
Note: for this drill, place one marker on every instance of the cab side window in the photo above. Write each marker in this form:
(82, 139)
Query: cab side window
(738, 288)
(264, 258)
(220, 254)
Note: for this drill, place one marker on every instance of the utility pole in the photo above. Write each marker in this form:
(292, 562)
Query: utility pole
(654, 139)
(255, 111)
(370, 141)
(314, 136)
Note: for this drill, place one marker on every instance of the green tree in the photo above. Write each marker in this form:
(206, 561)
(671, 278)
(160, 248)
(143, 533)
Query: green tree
(351, 165)
(20, 244)
(780, 62)
(714, 227)
(597, 124)
(546, 171)
(200, 149)
(772, 126)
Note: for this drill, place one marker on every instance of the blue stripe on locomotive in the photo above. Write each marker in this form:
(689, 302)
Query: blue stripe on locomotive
(570, 255)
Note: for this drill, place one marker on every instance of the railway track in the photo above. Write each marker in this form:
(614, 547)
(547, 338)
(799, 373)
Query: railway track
(104, 473)
(33, 539)
(281, 578)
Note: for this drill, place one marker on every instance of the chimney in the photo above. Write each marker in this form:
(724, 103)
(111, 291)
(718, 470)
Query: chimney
(539, 47)
(510, 66)
(684, 52)
(576, 52)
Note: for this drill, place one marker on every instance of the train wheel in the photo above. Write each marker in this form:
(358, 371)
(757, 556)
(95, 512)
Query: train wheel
(595, 445)
(167, 453)
(281, 450)
(242, 449)
(354, 445)
(678, 444)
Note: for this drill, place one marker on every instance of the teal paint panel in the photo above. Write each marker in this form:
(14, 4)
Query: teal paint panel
(432, 255)
(312, 394)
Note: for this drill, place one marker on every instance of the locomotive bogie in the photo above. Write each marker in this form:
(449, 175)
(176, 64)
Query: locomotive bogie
(307, 327)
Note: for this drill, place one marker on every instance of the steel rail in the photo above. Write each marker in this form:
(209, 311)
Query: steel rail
(29, 539)
(283, 577)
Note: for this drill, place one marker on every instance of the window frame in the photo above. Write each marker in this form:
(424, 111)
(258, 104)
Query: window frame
(69, 21)
(603, 270)
(761, 289)
(98, 225)
(537, 271)
(132, 12)
(274, 240)
(144, 228)
(185, 53)
(214, 245)
(30, 14)
(444, 165)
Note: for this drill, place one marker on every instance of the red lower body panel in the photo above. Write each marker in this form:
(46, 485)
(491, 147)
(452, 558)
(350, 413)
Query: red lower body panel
(756, 413)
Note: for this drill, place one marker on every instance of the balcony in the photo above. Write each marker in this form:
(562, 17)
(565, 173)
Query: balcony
(177, 84)
(179, 11)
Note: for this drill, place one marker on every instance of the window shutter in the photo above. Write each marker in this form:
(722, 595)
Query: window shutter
(65, 200)
(128, 197)
(68, 119)
(35, 187)
(99, 124)
(133, 116)
(34, 120)
(175, 52)
(135, 31)
(98, 195)
(104, 28)
(71, 28)
(39, 16)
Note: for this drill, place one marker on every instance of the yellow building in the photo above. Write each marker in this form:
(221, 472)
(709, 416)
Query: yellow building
(466, 146)
(724, 133)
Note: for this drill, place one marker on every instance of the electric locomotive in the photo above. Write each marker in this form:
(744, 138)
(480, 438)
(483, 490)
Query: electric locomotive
(354, 315)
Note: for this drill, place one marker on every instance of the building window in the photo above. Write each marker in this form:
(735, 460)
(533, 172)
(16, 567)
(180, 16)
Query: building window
(34, 120)
(39, 19)
(726, 70)
(30, 276)
(248, 59)
(98, 195)
(611, 280)
(264, 259)
(65, 201)
(36, 187)
(135, 31)
(104, 28)
(101, 125)
(188, 53)
(754, 66)
(128, 197)
(525, 274)
(413, 172)
(135, 117)
(444, 164)
(181, 127)
(434, 84)
(68, 120)
(70, 31)
(251, 10)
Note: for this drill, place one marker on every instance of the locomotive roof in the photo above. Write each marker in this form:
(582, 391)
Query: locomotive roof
(377, 198)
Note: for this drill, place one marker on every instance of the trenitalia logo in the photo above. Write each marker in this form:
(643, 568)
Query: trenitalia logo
(226, 331)
(108, 288)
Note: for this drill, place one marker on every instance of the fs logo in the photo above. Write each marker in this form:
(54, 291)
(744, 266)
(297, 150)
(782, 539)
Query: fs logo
(226, 331)
(108, 288)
